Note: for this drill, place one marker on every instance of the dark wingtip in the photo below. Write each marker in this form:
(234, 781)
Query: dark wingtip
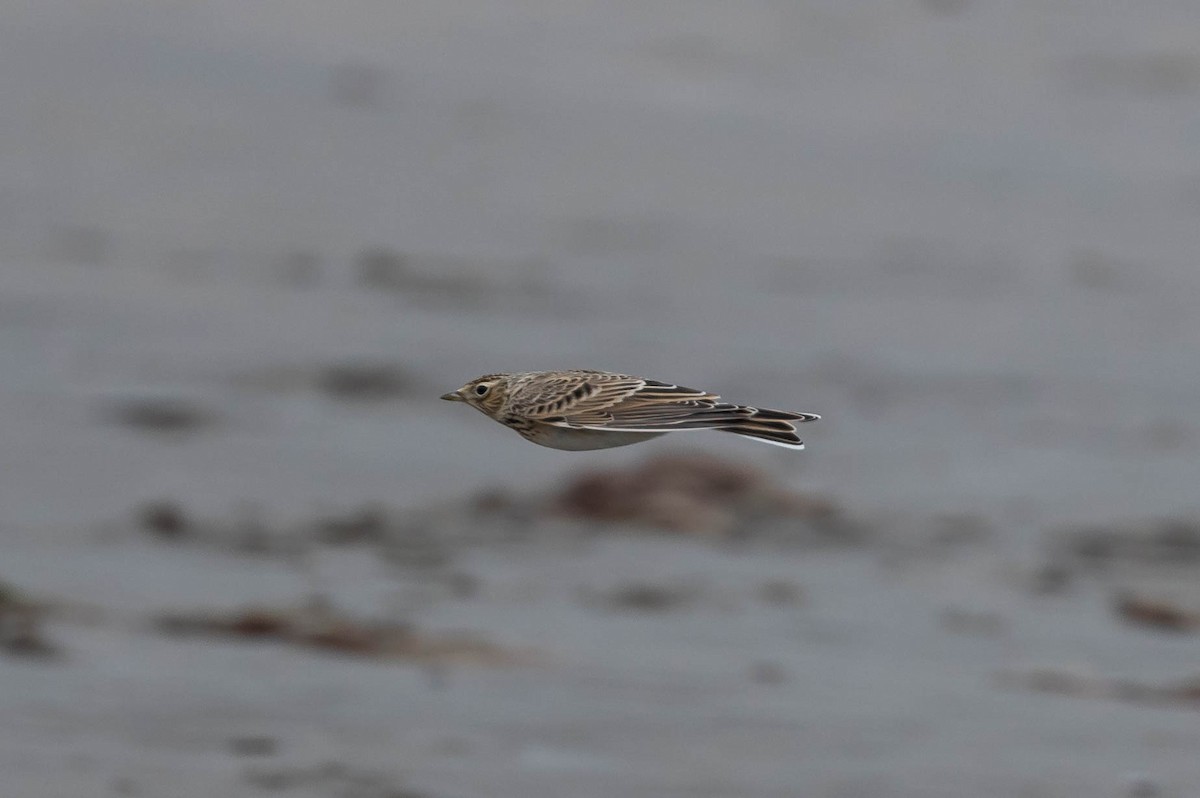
(784, 415)
(788, 439)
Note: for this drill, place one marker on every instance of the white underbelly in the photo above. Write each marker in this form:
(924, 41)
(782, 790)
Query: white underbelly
(579, 440)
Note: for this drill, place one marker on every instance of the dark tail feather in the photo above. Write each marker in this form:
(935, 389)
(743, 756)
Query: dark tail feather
(772, 426)
(782, 415)
(789, 439)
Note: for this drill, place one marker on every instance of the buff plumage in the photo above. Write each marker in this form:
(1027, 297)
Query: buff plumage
(581, 409)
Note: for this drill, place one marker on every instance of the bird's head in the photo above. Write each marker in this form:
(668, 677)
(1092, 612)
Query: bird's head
(485, 394)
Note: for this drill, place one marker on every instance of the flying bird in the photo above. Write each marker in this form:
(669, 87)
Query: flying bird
(581, 409)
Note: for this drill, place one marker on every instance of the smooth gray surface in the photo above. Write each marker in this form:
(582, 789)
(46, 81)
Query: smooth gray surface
(968, 239)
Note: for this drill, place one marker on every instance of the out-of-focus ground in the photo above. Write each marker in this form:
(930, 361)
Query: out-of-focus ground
(244, 246)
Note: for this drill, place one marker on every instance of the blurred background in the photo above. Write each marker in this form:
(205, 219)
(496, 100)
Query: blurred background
(245, 551)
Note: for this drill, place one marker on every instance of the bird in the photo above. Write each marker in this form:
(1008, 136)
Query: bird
(584, 409)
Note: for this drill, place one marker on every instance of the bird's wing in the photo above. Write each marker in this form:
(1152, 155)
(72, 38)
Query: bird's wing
(599, 399)
(633, 415)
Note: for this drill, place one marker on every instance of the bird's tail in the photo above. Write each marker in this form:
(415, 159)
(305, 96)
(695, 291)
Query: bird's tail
(777, 427)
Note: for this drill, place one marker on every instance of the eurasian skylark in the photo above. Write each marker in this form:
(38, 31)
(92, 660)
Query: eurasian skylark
(582, 409)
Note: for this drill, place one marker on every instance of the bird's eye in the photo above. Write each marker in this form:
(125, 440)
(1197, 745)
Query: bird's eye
(481, 390)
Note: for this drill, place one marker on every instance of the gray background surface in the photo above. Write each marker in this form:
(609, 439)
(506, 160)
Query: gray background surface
(964, 232)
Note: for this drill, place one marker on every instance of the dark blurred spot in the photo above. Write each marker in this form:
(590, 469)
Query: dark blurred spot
(382, 268)
(1050, 579)
(1167, 541)
(704, 495)
(362, 381)
(1049, 680)
(428, 276)
(494, 500)
(164, 519)
(163, 414)
(1083, 685)
(1156, 613)
(366, 524)
(253, 746)
(319, 626)
(21, 625)
(331, 779)
(646, 597)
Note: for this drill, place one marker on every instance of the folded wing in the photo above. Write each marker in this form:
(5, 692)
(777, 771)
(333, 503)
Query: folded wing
(621, 403)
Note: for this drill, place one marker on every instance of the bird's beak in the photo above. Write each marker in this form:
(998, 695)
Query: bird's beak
(453, 396)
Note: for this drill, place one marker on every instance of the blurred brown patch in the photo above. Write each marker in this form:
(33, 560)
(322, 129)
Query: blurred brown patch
(1167, 541)
(332, 779)
(694, 494)
(1156, 613)
(325, 629)
(366, 524)
(21, 629)
(648, 597)
(1185, 692)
